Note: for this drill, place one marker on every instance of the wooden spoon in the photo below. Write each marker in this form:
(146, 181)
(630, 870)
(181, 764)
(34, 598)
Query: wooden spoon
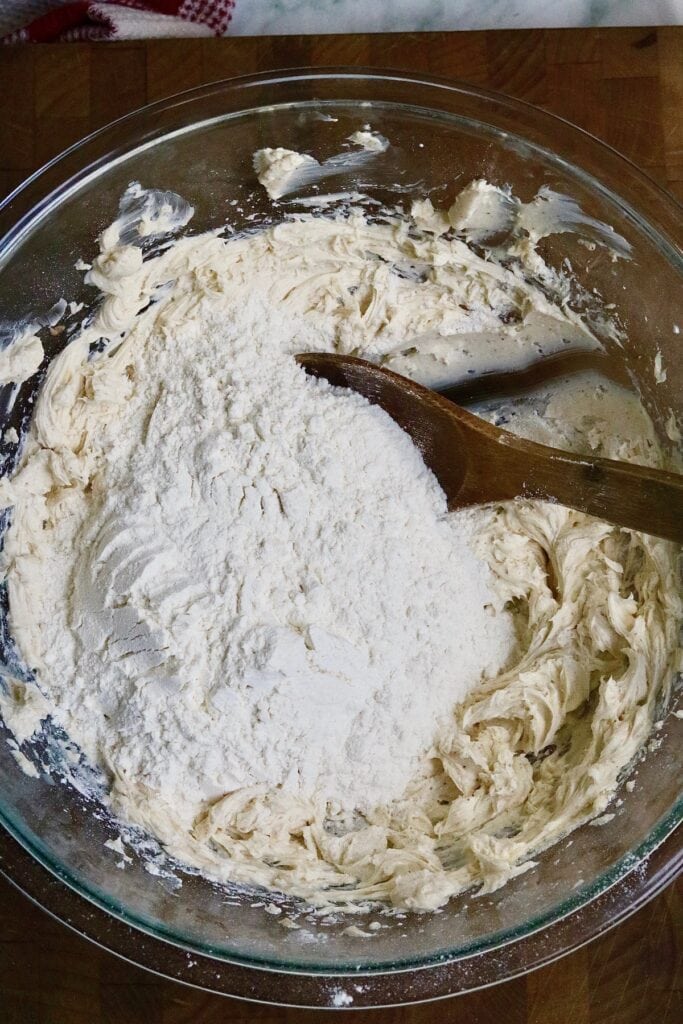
(477, 463)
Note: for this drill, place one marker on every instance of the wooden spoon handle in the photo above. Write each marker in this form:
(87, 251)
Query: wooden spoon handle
(636, 497)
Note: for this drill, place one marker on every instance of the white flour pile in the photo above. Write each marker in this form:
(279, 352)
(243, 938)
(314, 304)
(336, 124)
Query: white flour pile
(240, 593)
(267, 589)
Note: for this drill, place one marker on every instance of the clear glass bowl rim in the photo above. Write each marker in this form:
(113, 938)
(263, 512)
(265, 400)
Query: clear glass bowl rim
(34, 197)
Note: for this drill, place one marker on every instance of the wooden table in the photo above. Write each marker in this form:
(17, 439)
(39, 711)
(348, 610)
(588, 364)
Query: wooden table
(625, 86)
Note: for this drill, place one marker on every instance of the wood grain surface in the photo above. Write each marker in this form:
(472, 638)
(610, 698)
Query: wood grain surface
(625, 86)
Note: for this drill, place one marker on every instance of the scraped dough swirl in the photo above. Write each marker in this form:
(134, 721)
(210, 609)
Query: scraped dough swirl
(587, 614)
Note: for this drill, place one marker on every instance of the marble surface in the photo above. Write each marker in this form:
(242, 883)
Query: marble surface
(290, 17)
(285, 17)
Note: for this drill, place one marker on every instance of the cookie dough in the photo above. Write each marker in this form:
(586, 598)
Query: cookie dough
(587, 614)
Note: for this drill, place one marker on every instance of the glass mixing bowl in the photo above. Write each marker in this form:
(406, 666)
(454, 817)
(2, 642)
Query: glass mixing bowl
(200, 144)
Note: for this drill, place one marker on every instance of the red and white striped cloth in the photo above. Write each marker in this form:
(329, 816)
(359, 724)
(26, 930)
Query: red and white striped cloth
(126, 19)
